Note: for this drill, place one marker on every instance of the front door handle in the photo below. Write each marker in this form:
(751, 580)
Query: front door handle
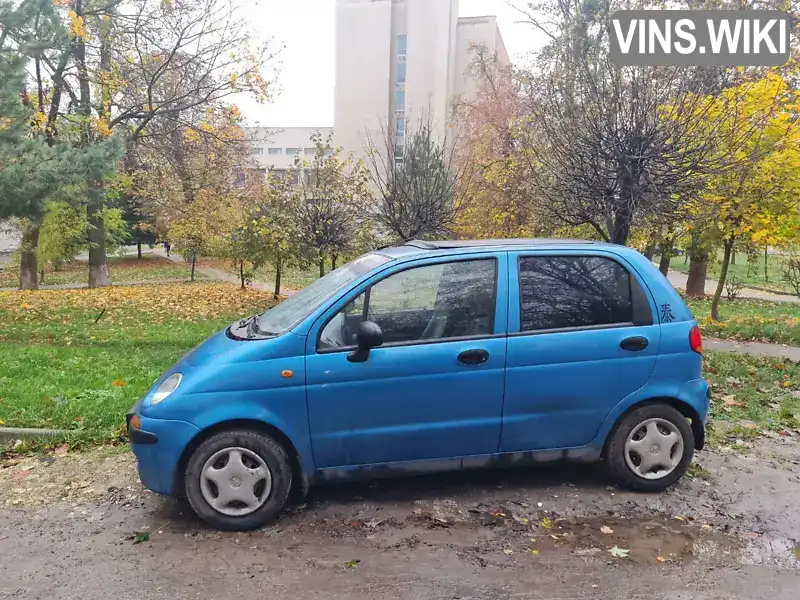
(477, 356)
(634, 344)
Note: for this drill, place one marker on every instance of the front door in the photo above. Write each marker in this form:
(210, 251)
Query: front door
(434, 389)
(581, 339)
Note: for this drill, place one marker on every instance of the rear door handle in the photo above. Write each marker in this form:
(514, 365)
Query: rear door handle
(476, 356)
(634, 344)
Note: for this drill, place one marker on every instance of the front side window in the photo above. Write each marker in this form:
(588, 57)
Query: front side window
(558, 292)
(442, 301)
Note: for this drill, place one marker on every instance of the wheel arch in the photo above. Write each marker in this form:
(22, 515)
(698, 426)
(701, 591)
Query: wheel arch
(299, 476)
(686, 409)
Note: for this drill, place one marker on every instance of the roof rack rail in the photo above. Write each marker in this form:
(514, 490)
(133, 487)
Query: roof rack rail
(421, 244)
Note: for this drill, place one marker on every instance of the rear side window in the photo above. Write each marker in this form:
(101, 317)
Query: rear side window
(558, 292)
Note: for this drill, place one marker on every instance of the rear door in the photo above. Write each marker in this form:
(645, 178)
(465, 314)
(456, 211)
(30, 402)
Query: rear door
(581, 338)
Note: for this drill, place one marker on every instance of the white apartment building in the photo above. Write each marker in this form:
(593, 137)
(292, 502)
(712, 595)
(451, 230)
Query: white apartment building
(397, 61)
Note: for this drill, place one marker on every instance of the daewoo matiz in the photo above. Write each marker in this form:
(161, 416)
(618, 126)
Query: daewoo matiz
(432, 356)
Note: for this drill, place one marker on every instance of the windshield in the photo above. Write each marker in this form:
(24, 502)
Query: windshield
(288, 313)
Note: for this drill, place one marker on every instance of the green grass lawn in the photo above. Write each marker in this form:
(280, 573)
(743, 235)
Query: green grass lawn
(749, 274)
(123, 269)
(291, 279)
(60, 369)
(752, 395)
(775, 322)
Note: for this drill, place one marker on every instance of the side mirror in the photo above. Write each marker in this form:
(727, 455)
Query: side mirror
(368, 336)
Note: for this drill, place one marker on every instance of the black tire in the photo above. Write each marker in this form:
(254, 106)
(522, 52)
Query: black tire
(614, 454)
(273, 454)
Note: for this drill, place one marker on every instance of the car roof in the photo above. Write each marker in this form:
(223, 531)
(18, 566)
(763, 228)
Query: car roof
(446, 247)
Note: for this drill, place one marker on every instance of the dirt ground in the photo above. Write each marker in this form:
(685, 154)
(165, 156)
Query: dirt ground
(80, 526)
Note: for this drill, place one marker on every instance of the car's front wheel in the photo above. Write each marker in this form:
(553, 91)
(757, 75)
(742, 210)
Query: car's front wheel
(651, 448)
(238, 480)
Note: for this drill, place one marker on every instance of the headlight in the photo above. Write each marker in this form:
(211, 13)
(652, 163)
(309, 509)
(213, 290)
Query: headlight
(169, 385)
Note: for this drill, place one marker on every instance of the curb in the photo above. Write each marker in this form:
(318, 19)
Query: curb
(11, 434)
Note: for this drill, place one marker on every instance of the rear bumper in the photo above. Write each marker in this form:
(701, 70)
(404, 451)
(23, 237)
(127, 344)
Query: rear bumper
(158, 446)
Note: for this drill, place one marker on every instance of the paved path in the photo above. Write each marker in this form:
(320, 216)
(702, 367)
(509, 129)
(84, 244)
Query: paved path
(678, 280)
(213, 273)
(754, 348)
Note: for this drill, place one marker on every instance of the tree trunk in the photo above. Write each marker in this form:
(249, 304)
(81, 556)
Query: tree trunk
(241, 272)
(686, 258)
(696, 282)
(321, 267)
(663, 264)
(723, 273)
(138, 248)
(333, 261)
(41, 276)
(650, 251)
(733, 257)
(766, 272)
(28, 265)
(99, 275)
(194, 262)
(277, 280)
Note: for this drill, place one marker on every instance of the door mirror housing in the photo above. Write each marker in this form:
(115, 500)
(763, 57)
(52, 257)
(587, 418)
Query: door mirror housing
(368, 336)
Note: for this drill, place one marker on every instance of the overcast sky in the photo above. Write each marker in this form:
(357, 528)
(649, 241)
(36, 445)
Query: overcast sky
(307, 30)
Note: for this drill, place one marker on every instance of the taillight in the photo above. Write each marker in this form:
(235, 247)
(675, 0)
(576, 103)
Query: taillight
(696, 340)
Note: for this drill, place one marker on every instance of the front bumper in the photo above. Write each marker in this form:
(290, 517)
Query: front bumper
(158, 445)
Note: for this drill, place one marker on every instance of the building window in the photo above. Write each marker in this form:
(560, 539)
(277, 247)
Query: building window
(257, 151)
(310, 151)
(399, 151)
(401, 72)
(275, 151)
(400, 130)
(402, 41)
(328, 152)
(400, 98)
(293, 151)
(278, 174)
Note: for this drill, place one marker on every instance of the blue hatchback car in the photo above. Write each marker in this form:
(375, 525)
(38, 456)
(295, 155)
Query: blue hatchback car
(433, 356)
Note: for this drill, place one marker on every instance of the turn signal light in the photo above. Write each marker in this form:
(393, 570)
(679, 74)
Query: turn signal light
(135, 423)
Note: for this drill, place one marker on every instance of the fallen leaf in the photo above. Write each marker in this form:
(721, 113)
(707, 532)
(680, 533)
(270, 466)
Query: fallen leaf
(679, 518)
(535, 552)
(521, 520)
(730, 400)
(508, 551)
(141, 536)
(118, 383)
(787, 384)
(2, 422)
(547, 523)
(61, 450)
(618, 552)
(372, 524)
(606, 529)
(661, 559)
(706, 526)
(353, 563)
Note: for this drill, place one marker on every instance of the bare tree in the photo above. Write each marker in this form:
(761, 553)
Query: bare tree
(610, 147)
(421, 181)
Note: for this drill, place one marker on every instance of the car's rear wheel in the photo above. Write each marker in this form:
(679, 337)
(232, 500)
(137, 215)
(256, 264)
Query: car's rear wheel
(651, 448)
(238, 480)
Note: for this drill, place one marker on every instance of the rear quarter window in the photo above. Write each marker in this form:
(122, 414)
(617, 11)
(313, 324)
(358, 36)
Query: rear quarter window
(560, 292)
